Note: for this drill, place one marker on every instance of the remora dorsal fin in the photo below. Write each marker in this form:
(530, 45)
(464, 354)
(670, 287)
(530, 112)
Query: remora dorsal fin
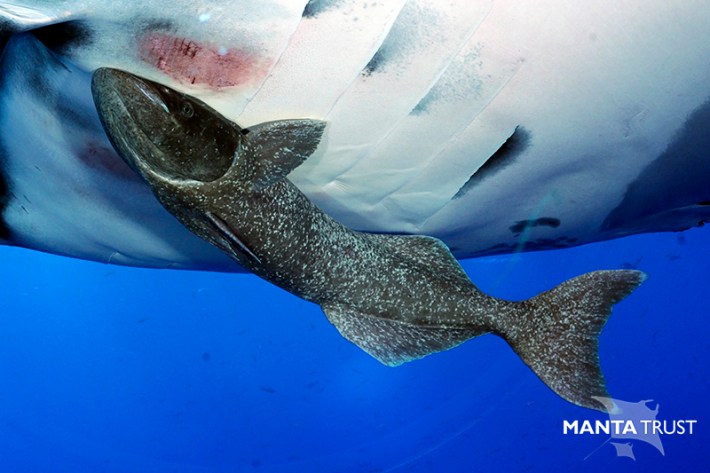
(428, 252)
(393, 342)
(277, 148)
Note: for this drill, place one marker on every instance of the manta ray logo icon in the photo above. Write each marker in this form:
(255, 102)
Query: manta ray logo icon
(633, 413)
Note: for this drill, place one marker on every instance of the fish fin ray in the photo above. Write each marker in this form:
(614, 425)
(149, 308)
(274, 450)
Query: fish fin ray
(557, 332)
(393, 342)
(429, 253)
(279, 147)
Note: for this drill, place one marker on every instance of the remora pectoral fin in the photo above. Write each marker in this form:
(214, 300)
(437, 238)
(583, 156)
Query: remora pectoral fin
(393, 342)
(279, 147)
(233, 243)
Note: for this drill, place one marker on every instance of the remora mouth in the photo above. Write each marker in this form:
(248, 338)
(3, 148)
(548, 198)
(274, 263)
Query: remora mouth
(163, 133)
(111, 90)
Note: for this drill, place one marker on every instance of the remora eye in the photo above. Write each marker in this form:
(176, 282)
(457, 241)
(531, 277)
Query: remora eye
(186, 110)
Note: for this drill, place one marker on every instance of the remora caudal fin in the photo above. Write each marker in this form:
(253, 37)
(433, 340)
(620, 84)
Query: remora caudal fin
(557, 332)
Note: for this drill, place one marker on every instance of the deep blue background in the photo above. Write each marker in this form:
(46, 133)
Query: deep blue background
(111, 369)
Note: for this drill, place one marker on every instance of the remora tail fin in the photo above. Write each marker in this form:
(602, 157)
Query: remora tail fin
(557, 332)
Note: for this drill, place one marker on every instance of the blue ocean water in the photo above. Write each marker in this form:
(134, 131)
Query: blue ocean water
(111, 369)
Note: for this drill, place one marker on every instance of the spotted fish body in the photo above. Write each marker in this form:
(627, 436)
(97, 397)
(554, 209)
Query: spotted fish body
(397, 297)
(495, 125)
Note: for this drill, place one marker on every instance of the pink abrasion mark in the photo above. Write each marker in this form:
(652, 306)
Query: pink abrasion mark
(190, 62)
(105, 161)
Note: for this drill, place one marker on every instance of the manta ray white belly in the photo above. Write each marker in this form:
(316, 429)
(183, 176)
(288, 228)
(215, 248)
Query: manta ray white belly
(495, 126)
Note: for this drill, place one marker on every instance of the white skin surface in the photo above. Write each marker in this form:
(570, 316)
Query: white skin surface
(601, 89)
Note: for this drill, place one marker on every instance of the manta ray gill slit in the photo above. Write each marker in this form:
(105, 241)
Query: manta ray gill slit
(316, 7)
(506, 155)
(191, 62)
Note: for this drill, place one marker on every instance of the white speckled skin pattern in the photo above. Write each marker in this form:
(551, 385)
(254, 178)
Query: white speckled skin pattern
(397, 297)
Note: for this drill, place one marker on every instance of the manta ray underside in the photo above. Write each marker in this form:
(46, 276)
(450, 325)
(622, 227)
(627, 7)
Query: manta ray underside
(453, 120)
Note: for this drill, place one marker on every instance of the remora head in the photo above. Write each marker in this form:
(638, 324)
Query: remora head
(165, 135)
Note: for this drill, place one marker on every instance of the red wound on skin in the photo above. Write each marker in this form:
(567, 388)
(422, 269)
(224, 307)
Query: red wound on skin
(106, 161)
(190, 62)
